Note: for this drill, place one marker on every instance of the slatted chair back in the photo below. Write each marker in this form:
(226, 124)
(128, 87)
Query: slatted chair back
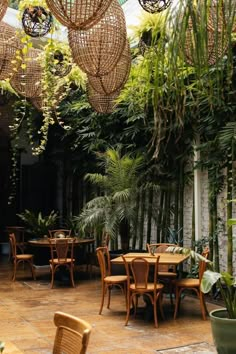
(72, 335)
(103, 256)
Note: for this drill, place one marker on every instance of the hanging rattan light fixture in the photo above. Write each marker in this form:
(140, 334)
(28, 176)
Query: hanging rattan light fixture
(36, 21)
(210, 43)
(3, 8)
(78, 14)
(61, 67)
(153, 6)
(116, 79)
(37, 102)
(101, 103)
(9, 44)
(97, 50)
(27, 81)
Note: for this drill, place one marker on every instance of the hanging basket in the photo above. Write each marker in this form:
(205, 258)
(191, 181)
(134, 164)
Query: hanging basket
(61, 67)
(210, 43)
(27, 81)
(37, 102)
(101, 103)
(36, 21)
(3, 8)
(116, 79)
(78, 14)
(97, 50)
(9, 44)
(153, 6)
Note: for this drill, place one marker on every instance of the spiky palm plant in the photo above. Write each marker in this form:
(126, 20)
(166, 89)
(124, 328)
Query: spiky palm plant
(114, 210)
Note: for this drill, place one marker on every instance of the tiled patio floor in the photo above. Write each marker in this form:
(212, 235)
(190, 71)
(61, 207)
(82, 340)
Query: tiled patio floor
(27, 309)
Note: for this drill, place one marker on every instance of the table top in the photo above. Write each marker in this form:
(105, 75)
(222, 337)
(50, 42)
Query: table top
(43, 242)
(165, 258)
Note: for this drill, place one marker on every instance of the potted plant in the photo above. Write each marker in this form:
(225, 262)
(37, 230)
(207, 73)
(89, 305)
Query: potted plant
(114, 210)
(38, 225)
(223, 320)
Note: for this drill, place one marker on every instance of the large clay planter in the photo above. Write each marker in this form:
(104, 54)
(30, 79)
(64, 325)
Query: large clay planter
(223, 331)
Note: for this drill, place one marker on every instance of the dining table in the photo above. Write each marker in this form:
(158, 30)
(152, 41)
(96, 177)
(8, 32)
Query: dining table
(40, 247)
(166, 258)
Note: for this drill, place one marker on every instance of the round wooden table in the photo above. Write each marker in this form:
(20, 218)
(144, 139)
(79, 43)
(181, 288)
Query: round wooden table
(40, 248)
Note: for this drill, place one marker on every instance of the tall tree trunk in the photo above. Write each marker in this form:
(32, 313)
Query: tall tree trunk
(149, 215)
(134, 239)
(176, 211)
(142, 215)
(181, 204)
(229, 216)
(160, 215)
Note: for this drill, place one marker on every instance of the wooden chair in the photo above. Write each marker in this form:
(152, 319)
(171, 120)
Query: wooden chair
(62, 255)
(72, 334)
(191, 284)
(59, 233)
(19, 233)
(18, 258)
(166, 273)
(108, 280)
(139, 270)
(91, 257)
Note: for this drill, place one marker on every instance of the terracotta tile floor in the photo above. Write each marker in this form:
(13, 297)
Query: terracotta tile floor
(27, 309)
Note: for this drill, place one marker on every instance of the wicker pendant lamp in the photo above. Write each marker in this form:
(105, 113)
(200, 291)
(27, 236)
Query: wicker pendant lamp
(210, 44)
(97, 50)
(101, 103)
(116, 79)
(9, 44)
(154, 6)
(78, 14)
(3, 8)
(36, 102)
(27, 81)
(36, 21)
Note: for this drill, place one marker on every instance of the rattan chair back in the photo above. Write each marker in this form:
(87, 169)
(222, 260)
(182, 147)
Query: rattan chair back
(72, 334)
(3, 8)
(103, 256)
(97, 50)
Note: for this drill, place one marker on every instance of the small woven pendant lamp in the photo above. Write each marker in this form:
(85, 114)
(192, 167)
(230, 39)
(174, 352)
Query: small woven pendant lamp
(3, 8)
(27, 82)
(153, 6)
(36, 21)
(78, 14)
(212, 33)
(116, 79)
(9, 44)
(97, 50)
(101, 103)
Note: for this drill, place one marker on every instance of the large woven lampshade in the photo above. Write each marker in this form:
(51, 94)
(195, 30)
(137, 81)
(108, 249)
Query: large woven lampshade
(27, 82)
(36, 21)
(153, 6)
(37, 102)
(78, 14)
(9, 43)
(117, 78)
(97, 50)
(101, 103)
(3, 8)
(212, 38)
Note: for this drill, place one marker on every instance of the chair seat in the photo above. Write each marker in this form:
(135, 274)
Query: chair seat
(59, 261)
(167, 274)
(188, 282)
(24, 256)
(115, 278)
(150, 287)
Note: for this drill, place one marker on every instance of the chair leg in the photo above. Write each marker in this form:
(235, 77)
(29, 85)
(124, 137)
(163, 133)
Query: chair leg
(52, 276)
(177, 301)
(14, 270)
(72, 276)
(32, 270)
(109, 296)
(155, 312)
(160, 298)
(128, 307)
(202, 305)
(102, 300)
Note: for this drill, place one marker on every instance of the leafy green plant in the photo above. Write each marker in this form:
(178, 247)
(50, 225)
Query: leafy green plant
(227, 286)
(36, 224)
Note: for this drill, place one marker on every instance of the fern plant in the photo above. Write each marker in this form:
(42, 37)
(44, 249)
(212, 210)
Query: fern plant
(36, 224)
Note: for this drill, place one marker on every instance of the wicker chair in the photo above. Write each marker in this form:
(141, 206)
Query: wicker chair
(19, 233)
(108, 280)
(91, 257)
(62, 255)
(166, 273)
(18, 258)
(139, 270)
(59, 233)
(191, 284)
(72, 335)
